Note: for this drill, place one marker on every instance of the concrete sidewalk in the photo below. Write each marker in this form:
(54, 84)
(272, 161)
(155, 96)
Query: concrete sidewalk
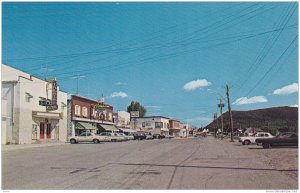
(26, 146)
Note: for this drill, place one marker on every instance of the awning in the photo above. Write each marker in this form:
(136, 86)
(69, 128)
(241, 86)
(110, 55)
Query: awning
(127, 130)
(84, 125)
(109, 127)
(163, 129)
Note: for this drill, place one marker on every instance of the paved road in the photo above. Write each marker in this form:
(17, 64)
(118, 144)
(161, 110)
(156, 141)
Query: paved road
(199, 163)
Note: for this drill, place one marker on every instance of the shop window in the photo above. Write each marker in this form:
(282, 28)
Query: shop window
(77, 110)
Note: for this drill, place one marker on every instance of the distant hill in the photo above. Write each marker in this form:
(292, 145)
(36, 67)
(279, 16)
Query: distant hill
(269, 118)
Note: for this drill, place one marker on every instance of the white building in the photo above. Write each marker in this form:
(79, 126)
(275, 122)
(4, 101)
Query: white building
(32, 109)
(184, 130)
(122, 119)
(153, 124)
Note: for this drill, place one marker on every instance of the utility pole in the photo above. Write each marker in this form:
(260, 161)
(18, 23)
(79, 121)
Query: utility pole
(217, 122)
(214, 125)
(221, 105)
(230, 114)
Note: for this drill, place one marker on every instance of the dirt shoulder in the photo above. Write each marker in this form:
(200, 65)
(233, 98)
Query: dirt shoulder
(283, 158)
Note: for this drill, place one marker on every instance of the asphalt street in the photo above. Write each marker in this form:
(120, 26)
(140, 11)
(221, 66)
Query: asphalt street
(196, 163)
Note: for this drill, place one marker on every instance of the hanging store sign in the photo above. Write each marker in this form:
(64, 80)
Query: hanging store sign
(53, 106)
(134, 114)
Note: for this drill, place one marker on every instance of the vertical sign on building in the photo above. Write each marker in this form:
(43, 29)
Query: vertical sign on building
(53, 106)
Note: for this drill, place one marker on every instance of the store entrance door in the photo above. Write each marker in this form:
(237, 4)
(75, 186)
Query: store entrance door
(42, 130)
(48, 131)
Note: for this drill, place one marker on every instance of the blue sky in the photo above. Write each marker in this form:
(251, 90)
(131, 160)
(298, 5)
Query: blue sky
(174, 58)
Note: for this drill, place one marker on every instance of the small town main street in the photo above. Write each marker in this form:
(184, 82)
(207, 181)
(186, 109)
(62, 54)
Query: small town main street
(195, 163)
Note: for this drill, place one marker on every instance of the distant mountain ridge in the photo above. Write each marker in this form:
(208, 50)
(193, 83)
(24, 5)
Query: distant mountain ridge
(274, 117)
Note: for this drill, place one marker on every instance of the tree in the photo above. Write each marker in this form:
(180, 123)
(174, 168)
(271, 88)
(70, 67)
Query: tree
(136, 106)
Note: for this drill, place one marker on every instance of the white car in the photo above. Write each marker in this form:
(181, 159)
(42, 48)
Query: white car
(114, 137)
(88, 137)
(128, 137)
(247, 140)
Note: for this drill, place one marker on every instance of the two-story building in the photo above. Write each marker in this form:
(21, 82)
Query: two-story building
(32, 109)
(88, 115)
(174, 128)
(152, 124)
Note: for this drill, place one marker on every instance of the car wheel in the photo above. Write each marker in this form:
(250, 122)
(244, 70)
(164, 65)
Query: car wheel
(96, 141)
(247, 142)
(72, 141)
(266, 145)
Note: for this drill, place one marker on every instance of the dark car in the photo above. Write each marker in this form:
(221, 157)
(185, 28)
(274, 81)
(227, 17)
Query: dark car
(139, 136)
(282, 139)
(158, 136)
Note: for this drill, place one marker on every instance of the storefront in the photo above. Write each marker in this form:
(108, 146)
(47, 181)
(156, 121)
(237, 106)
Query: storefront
(81, 127)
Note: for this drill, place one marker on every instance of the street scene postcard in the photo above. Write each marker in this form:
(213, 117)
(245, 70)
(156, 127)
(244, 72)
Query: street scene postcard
(149, 96)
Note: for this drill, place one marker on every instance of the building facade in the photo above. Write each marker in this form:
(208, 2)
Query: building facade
(184, 130)
(122, 119)
(32, 109)
(152, 124)
(174, 128)
(88, 115)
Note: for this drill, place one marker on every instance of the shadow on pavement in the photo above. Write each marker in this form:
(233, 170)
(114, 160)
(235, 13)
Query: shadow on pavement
(211, 167)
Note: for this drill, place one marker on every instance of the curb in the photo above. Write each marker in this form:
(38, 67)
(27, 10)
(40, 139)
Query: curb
(28, 146)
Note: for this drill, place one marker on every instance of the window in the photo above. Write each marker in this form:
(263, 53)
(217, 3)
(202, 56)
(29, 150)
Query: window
(267, 135)
(28, 96)
(63, 105)
(143, 124)
(77, 110)
(94, 113)
(110, 116)
(84, 112)
(157, 124)
(165, 125)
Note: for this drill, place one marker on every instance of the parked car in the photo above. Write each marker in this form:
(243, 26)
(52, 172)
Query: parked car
(158, 136)
(149, 136)
(282, 139)
(169, 136)
(126, 137)
(247, 140)
(114, 137)
(88, 137)
(139, 136)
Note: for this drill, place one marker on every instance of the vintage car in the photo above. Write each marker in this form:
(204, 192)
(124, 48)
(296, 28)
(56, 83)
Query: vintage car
(88, 137)
(247, 140)
(282, 139)
(114, 137)
(127, 137)
(139, 136)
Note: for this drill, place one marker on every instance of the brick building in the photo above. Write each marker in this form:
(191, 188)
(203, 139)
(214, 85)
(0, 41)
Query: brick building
(88, 115)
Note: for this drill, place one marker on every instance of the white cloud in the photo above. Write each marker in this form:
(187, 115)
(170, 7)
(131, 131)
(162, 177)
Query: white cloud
(119, 95)
(120, 83)
(286, 90)
(296, 105)
(153, 107)
(193, 85)
(252, 100)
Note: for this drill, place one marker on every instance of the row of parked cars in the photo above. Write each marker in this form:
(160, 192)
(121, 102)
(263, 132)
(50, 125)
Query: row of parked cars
(266, 140)
(108, 137)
